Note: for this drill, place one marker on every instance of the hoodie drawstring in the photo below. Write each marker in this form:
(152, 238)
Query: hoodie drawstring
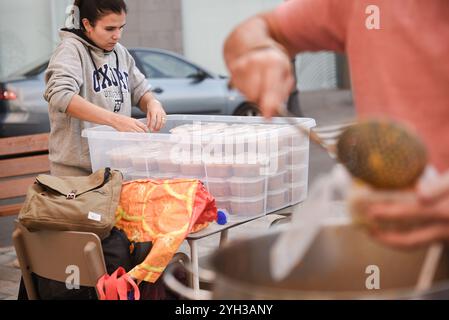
(118, 102)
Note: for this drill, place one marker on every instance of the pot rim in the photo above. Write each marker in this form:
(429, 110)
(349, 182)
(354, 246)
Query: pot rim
(243, 286)
(291, 294)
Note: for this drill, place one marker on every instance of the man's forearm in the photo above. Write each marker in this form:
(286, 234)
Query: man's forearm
(84, 110)
(258, 32)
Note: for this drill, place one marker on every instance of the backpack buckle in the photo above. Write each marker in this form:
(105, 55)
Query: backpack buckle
(71, 195)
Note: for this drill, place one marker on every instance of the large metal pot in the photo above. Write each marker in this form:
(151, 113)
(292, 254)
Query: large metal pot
(335, 267)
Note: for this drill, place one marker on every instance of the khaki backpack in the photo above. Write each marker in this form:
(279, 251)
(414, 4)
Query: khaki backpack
(73, 203)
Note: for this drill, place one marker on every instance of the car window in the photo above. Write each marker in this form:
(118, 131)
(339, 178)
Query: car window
(31, 70)
(159, 65)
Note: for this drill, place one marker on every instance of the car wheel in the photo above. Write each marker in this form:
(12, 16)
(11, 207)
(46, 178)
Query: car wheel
(247, 110)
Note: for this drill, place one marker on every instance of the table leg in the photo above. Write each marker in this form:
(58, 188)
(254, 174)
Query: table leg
(194, 257)
(223, 237)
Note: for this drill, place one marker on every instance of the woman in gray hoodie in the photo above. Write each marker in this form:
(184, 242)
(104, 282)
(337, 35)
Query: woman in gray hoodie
(92, 79)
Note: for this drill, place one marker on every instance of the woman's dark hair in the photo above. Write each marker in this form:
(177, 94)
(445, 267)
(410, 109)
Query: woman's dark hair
(93, 10)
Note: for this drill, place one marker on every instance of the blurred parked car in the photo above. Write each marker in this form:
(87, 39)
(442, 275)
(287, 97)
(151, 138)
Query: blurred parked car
(182, 87)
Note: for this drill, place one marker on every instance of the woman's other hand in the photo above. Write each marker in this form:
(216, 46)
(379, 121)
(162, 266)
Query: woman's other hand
(156, 116)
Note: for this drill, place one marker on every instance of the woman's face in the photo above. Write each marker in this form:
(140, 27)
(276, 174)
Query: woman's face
(107, 30)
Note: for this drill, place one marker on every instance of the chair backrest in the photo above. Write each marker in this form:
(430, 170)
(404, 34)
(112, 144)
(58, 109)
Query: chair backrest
(49, 254)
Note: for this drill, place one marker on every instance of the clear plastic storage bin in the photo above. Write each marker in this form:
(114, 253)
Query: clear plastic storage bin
(249, 165)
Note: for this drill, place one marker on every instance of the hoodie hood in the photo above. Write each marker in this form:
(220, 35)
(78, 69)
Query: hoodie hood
(80, 36)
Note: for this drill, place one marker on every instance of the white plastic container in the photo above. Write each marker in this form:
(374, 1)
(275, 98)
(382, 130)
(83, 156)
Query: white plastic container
(192, 167)
(297, 174)
(297, 192)
(281, 159)
(218, 187)
(277, 181)
(223, 203)
(218, 167)
(277, 199)
(247, 187)
(276, 162)
(298, 156)
(247, 169)
(249, 164)
(248, 207)
(293, 139)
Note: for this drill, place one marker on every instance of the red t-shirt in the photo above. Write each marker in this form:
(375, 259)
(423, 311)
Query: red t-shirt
(400, 70)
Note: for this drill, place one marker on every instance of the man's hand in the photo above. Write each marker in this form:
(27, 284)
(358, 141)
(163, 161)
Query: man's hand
(263, 76)
(156, 115)
(429, 210)
(259, 65)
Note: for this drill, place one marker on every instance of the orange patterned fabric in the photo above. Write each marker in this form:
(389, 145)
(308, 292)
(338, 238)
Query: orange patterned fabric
(163, 212)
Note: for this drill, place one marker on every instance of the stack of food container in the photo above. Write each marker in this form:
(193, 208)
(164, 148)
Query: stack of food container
(250, 166)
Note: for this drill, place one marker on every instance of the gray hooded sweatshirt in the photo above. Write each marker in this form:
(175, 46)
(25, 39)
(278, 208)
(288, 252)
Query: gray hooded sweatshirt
(71, 71)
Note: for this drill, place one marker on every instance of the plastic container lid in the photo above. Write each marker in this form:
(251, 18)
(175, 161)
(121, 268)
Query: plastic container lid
(276, 192)
(281, 152)
(245, 158)
(274, 153)
(222, 198)
(185, 176)
(296, 185)
(273, 176)
(246, 180)
(297, 167)
(217, 180)
(247, 199)
(218, 160)
(195, 160)
(296, 149)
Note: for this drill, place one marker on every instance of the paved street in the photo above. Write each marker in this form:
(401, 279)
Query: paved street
(328, 108)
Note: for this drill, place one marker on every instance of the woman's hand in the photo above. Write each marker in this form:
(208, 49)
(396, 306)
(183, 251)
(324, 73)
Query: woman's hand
(126, 124)
(430, 209)
(84, 110)
(156, 115)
